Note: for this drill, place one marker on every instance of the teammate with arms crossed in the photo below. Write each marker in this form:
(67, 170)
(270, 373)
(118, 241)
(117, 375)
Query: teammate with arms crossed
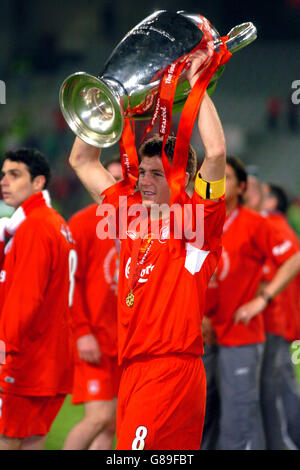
(249, 240)
(38, 263)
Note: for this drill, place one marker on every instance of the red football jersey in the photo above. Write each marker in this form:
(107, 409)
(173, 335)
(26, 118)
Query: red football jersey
(288, 301)
(249, 239)
(94, 308)
(169, 294)
(34, 310)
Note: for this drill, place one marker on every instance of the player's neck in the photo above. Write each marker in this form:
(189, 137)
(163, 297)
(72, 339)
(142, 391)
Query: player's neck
(231, 205)
(159, 211)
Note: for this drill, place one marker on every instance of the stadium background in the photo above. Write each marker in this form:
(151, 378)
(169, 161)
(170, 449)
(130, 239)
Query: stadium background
(43, 42)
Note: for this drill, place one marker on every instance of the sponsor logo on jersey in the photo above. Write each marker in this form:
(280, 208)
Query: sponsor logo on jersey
(281, 249)
(144, 272)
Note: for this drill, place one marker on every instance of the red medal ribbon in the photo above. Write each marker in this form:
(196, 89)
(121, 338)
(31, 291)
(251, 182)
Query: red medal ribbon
(136, 265)
(175, 174)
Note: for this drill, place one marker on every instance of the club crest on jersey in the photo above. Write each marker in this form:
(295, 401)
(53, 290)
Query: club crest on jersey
(93, 386)
(144, 272)
(164, 234)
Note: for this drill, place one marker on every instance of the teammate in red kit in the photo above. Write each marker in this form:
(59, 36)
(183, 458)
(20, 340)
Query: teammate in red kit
(94, 314)
(275, 323)
(275, 204)
(35, 291)
(248, 241)
(161, 293)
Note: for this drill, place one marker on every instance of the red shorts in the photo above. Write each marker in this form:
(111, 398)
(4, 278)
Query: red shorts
(161, 404)
(96, 381)
(23, 416)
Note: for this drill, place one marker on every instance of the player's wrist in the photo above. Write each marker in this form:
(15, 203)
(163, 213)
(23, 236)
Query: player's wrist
(266, 297)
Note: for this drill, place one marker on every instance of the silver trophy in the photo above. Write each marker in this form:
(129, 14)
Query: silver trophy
(95, 107)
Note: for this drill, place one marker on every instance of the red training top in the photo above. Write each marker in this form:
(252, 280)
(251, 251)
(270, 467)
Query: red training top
(249, 239)
(170, 291)
(288, 301)
(34, 310)
(94, 309)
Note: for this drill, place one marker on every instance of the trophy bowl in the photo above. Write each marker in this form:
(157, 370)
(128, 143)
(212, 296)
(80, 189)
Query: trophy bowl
(95, 107)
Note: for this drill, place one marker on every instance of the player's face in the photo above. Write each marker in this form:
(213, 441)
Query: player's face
(233, 187)
(152, 182)
(253, 195)
(16, 184)
(269, 203)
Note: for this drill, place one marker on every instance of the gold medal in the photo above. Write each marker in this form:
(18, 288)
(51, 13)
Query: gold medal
(130, 299)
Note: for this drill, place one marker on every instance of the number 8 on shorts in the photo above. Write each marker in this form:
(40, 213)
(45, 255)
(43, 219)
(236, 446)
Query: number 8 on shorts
(139, 442)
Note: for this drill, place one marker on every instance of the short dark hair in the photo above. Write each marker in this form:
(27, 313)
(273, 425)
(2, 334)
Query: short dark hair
(240, 172)
(153, 148)
(238, 167)
(281, 196)
(35, 161)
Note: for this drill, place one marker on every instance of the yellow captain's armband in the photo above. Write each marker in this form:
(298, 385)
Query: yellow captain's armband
(209, 190)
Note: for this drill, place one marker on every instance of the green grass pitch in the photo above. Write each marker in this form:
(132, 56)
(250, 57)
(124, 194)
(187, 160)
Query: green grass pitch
(67, 417)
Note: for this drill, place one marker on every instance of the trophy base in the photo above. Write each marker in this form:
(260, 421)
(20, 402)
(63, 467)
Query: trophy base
(91, 109)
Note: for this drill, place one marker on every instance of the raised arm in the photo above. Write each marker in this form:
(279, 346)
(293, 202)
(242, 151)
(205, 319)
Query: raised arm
(210, 128)
(85, 161)
(213, 139)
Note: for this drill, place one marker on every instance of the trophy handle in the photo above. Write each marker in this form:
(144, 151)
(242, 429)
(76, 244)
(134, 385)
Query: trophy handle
(239, 37)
